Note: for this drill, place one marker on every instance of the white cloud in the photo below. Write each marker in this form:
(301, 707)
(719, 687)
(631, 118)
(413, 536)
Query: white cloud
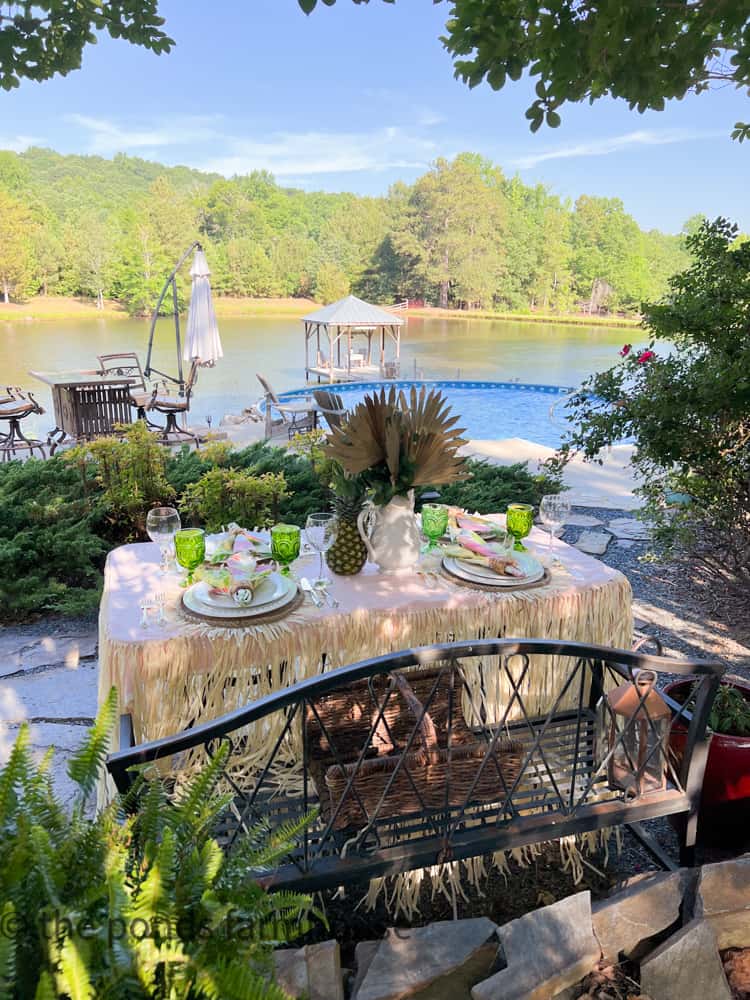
(18, 143)
(108, 137)
(285, 154)
(613, 144)
(296, 154)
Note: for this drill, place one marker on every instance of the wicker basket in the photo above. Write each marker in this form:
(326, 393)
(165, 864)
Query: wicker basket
(430, 777)
(348, 714)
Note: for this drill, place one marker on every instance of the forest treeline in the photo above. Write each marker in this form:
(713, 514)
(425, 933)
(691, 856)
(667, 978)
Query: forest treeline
(463, 234)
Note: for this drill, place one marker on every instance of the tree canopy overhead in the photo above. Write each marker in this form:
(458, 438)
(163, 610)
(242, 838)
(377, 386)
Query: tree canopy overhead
(43, 39)
(643, 52)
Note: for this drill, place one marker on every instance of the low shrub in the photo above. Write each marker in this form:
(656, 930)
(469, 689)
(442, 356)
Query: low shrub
(490, 488)
(52, 543)
(222, 496)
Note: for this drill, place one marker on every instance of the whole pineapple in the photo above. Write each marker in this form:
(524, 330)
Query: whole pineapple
(348, 554)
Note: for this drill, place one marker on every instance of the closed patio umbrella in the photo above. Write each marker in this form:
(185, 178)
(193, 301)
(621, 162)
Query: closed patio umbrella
(202, 341)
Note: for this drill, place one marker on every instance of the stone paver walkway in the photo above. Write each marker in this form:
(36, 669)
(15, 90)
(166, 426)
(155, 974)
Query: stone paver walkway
(48, 678)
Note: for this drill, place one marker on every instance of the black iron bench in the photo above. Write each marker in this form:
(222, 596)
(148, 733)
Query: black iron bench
(437, 754)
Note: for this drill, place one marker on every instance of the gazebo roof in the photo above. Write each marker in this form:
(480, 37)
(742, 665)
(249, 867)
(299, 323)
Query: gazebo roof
(352, 311)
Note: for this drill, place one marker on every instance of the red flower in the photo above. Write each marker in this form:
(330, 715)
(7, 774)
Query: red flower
(645, 356)
(626, 349)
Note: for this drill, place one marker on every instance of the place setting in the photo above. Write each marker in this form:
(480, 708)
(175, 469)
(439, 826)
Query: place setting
(481, 553)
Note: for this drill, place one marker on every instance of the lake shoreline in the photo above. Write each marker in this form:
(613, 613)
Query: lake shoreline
(52, 308)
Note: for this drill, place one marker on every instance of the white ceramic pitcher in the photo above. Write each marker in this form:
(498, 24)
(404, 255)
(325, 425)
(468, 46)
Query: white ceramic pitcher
(391, 535)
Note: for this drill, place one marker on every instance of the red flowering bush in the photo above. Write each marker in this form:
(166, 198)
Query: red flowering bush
(686, 407)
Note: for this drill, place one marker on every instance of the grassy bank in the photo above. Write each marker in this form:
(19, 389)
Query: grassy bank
(570, 319)
(52, 307)
(61, 307)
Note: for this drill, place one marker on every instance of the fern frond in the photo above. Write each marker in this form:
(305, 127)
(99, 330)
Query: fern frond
(45, 988)
(280, 841)
(86, 763)
(7, 951)
(12, 775)
(72, 977)
(239, 981)
(200, 789)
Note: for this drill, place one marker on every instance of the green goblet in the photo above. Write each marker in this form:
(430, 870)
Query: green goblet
(285, 540)
(434, 523)
(519, 519)
(190, 550)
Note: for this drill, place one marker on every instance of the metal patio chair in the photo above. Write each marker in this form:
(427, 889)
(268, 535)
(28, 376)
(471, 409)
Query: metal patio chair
(172, 407)
(16, 405)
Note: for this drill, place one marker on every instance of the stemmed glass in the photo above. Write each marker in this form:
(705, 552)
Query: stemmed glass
(320, 530)
(190, 549)
(162, 524)
(285, 539)
(434, 523)
(519, 520)
(553, 513)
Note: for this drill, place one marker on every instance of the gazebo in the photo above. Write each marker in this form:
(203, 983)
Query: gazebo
(338, 324)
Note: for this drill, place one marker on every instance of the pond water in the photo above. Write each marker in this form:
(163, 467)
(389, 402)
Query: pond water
(550, 354)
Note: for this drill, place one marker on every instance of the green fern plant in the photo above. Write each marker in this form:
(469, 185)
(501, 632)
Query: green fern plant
(138, 901)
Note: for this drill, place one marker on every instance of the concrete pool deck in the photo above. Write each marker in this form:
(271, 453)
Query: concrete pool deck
(609, 485)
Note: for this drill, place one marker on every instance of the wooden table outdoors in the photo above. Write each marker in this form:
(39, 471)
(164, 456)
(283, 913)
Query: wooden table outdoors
(86, 404)
(172, 676)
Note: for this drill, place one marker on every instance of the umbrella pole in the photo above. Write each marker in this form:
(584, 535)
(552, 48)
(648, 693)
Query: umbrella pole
(155, 316)
(177, 337)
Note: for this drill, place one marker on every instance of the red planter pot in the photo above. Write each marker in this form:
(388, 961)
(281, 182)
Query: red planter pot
(725, 801)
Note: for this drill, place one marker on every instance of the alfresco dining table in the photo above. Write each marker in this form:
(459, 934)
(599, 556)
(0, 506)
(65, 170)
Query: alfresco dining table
(171, 676)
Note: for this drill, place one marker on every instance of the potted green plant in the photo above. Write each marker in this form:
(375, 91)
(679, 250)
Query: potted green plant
(725, 799)
(394, 444)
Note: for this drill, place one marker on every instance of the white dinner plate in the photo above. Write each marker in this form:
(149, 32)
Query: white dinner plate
(250, 611)
(271, 589)
(475, 573)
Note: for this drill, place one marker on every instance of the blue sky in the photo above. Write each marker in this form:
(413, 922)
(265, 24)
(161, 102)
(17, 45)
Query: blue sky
(355, 97)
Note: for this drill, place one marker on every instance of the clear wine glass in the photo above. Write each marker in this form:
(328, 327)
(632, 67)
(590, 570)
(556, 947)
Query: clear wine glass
(553, 513)
(162, 524)
(320, 530)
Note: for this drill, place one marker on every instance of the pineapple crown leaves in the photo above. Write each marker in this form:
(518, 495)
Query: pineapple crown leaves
(404, 442)
(85, 765)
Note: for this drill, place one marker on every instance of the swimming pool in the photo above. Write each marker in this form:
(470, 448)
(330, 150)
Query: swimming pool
(491, 410)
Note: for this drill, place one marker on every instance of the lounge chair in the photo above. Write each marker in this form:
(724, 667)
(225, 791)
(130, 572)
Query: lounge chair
(296, 417)
(331, 406)
(171, 407)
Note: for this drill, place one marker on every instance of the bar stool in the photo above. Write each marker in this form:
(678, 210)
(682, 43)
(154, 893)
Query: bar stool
(15, 406)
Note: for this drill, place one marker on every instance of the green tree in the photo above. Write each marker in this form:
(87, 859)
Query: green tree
(16, 249)
(453, 229)
(155, 235)
(582, 50)
(607, 253)
(91, 245)
(331, 284)
(43, 39)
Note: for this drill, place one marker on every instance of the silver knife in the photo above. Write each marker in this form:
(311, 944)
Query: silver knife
(309, 589)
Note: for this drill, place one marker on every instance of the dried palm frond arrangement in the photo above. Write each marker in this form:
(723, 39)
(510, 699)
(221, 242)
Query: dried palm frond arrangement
(396, 443)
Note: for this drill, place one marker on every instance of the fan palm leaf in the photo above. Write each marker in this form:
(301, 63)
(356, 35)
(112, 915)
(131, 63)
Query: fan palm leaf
(399, 440)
